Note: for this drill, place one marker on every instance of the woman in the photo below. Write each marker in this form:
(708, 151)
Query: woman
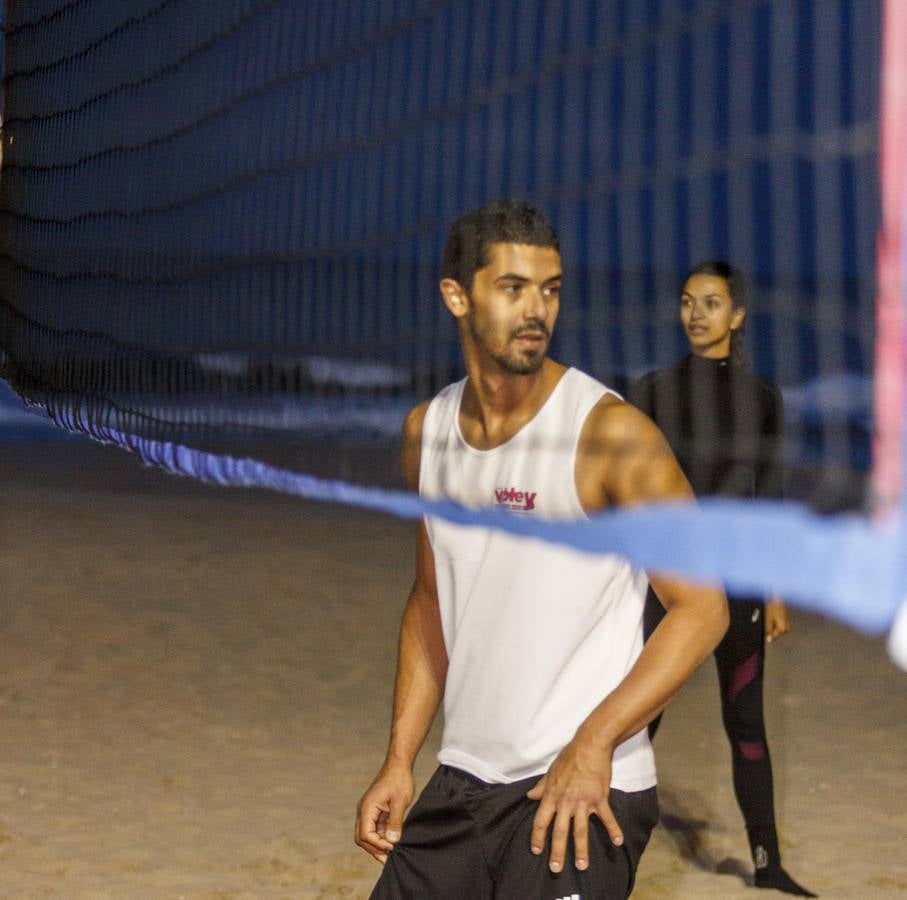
(725, 425)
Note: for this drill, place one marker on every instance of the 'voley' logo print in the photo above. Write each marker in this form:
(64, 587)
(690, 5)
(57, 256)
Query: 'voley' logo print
(511, 498)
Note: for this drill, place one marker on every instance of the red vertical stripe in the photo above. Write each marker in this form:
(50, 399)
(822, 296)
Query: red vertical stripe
(891, 311)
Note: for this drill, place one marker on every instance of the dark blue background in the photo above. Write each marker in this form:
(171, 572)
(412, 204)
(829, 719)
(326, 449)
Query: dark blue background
(275, 178)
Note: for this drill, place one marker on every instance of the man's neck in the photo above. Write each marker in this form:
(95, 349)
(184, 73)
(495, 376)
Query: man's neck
(496, 405)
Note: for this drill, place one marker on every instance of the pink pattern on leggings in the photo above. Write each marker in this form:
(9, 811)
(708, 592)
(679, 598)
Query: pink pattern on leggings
(752, 751)
(745, 673)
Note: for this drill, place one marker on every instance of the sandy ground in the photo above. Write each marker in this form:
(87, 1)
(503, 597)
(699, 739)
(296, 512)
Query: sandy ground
(194, 691)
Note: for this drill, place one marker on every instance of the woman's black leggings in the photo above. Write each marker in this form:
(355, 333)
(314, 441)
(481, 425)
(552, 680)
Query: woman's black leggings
(739, 659)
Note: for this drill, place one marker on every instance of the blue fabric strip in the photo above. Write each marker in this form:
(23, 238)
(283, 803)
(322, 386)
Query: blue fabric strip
(843, 566)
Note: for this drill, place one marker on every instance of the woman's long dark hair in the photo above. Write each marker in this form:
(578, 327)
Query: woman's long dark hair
(736, 285)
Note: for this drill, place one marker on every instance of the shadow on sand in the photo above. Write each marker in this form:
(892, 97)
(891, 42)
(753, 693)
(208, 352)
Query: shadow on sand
(687, 831)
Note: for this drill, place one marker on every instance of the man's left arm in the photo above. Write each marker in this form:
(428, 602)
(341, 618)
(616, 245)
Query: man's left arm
(624, 460)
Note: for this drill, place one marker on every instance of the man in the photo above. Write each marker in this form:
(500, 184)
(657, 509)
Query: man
(547, 782)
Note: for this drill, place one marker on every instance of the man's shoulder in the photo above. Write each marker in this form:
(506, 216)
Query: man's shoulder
(414, 422)
(585, 385)
(611, 418)
(415, 418)
(614, 424)
(623, 457)
(411, 449)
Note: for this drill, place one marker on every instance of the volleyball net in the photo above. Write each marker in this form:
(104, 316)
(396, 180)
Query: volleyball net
(221, 224)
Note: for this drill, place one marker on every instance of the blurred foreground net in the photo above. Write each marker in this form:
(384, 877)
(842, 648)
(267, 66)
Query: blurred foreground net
(221, 220)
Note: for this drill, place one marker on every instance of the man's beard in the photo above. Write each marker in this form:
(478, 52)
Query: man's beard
(512, 360)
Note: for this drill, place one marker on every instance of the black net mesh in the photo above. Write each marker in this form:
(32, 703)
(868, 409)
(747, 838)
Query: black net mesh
(221, 220)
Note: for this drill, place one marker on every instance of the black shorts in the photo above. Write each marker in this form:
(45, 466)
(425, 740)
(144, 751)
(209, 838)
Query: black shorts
(465, 839)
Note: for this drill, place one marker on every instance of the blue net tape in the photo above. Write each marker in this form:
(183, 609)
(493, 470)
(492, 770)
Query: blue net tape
(842, 566)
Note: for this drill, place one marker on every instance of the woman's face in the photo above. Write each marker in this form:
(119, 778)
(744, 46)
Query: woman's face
(709, 316)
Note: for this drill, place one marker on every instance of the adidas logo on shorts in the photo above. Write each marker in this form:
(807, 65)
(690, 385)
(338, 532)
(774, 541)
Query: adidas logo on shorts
(570, 897)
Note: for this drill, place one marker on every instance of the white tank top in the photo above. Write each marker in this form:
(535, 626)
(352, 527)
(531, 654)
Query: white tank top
(537, 634)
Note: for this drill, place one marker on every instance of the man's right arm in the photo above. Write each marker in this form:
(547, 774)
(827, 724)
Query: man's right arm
(419, 686)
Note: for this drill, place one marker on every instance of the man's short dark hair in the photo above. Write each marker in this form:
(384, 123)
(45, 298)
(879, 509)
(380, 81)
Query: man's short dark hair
(471, 237)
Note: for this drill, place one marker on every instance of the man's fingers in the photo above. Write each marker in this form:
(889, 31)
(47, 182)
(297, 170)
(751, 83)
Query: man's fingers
(581, 838)
(611, 824)
(543, 816)
(373, 843)
(370, 831)
(537, 792)
(559, 834)
(394, 830)
(379, 815)
(373, 850)
(371, 839)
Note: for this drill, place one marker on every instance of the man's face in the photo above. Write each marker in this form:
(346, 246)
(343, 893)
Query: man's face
(513, 305)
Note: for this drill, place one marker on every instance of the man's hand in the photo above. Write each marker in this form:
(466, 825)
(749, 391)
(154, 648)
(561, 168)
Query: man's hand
(575, 788)
(379, 816)
(777, 619)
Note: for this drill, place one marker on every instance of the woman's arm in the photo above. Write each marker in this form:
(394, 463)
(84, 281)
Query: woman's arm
(770, 485)
(770, 456)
